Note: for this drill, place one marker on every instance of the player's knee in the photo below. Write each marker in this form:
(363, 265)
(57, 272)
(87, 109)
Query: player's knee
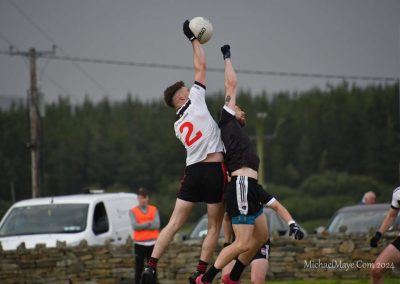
(214, 225)
(242, 247)
(260, 240)
(173, 226)
(264, 239)
(376, 272)
(257, 279)
(213, 229)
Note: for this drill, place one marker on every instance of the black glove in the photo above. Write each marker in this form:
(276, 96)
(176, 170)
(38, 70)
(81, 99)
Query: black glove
(375, 239)
(296, 231)
(187, 31)
(226, 51)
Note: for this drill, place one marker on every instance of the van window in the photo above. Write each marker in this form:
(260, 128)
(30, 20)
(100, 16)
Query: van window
(45, 219)
(100, 219)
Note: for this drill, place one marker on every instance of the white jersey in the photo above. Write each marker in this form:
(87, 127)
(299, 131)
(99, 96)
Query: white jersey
(196, 128)
(396, 198)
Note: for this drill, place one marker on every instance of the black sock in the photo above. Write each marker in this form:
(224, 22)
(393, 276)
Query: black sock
(210, 274)
(237, 270)
(202, 266)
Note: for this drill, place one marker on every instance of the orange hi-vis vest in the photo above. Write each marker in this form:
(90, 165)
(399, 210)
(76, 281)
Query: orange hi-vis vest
(144, 235)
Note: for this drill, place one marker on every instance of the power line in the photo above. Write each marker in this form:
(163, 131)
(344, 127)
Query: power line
(3, 37)
(30, 21)
(13, 47)
(52, 81)
(75, 61)
(49, 38)
(42, 73)
(243, 71)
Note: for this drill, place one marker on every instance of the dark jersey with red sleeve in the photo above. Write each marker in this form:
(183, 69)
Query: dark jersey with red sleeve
(239, 150)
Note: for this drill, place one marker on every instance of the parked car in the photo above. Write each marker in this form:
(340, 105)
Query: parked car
(91, 217)
(360, 219)
(275, 225)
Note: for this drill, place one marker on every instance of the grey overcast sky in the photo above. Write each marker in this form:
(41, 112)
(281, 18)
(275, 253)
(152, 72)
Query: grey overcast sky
(339, 37)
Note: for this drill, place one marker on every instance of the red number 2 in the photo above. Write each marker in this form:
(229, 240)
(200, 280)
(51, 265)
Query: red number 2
(188, 139)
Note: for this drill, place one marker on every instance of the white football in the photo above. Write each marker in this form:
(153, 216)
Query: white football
(201, 28)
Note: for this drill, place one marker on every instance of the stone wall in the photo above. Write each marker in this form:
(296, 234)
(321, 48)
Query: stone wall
(313, 257)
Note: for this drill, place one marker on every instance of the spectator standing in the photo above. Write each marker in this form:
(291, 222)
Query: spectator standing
(145, 221)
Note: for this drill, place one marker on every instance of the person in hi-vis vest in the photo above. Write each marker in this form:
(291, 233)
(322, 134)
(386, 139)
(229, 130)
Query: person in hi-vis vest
(145, 221)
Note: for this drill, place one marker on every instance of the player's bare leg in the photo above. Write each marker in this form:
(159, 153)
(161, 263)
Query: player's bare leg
(259, 237)
(179, 215)
(243, 233)
(215, 215)
(259, 268)
(388, 257)
(178, 218)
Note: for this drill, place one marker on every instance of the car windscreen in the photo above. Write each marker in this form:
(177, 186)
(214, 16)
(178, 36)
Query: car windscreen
(357, 221)
(45, 219)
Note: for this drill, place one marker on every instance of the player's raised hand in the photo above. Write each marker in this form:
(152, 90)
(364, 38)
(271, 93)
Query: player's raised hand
(226, 51)
(187, 31)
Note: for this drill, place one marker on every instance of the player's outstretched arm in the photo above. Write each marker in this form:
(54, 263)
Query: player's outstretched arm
(199, 57)
(386, 223)
(230, 78)
(281, 210)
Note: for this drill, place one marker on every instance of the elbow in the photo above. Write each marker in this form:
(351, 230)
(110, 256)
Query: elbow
(230, 84)
(276, 206)
(393, 213)
(201, 66)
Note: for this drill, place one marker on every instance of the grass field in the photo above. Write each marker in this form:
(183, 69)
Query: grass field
(335, 281)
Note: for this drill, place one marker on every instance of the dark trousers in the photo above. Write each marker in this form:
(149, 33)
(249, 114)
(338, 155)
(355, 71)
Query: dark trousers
(141, 252)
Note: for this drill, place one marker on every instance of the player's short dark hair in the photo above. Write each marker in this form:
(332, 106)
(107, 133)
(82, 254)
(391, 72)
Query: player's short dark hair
(169, 92)
(142, 192)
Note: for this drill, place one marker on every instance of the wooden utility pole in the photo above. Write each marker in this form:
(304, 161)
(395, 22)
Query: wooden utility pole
(34, 143)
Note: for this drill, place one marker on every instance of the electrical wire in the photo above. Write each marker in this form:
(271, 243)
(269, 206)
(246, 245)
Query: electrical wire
(42, 72)
(49, 38)
(75, 61)
(243, 71)
(183, 67)
(3, 37)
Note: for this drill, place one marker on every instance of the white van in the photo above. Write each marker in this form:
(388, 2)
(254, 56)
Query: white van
(91, 217)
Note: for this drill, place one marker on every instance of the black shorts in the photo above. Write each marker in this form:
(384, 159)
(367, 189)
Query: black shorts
(263, 252)
(241, 196)
(204, 182)
(396, 243)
